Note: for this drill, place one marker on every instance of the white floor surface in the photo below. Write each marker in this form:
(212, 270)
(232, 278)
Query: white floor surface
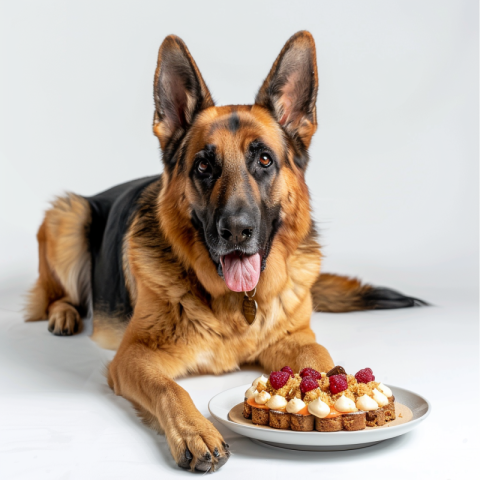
(59, 419)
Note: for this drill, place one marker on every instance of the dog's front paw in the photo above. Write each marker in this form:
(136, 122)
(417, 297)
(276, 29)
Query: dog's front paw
(197, 444)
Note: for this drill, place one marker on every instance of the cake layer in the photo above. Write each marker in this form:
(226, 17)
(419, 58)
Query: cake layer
(376, 418)
(354, 421)
(302, 423)
(260, 416)
(333, 424)
(247, 409)
(279, 419)
(390, 409)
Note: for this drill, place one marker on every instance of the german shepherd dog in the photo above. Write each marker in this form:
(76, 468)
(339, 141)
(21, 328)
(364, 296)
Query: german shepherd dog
(169, 262)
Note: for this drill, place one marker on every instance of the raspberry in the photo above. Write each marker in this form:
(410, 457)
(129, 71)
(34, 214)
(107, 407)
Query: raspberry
(288, 370)
(307, 384)
(338, 383)
(278, 379)
(310, 372)
(365, 375)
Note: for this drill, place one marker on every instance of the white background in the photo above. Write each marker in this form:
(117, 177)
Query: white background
(393, 180)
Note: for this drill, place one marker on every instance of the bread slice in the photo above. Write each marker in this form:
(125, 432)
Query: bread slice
(279, 419)
(302, 423)
(354, 421)
(376, 418)
(390, 409)
(247, 409)
(333, 424)
(260, 416)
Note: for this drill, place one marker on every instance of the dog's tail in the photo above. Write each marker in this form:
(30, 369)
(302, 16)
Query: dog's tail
(334, 293)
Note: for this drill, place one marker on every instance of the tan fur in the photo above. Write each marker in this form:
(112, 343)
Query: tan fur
(63, 284)
(333, 293)
(185, 319)
(107, 332)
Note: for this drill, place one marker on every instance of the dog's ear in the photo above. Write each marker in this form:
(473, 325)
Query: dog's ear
(290, 90)
(179, 91)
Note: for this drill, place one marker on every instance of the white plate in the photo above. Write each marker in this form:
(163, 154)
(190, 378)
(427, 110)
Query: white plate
(221, 404)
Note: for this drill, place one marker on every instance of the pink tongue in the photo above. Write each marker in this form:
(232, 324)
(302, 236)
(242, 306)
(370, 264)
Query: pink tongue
(241, 274)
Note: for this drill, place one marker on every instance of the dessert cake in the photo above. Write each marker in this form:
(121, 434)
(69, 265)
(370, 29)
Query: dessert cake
(324, 401)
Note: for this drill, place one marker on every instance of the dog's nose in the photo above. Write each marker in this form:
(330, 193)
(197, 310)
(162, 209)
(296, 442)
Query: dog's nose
(236, 229)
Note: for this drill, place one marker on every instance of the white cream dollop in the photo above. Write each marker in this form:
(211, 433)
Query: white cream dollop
(385, 390)
(262, 398)
(295, 405)
(262, 379)
(380, 398)
(251, 392)
(318, 408)
(366, 403)
(345, 405)
(277, 402)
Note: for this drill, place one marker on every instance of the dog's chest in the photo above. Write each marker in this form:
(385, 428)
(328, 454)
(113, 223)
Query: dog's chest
(232, 341)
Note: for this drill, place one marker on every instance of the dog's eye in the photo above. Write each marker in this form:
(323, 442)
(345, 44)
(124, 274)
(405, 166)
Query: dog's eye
(265, 160)
(203, 167)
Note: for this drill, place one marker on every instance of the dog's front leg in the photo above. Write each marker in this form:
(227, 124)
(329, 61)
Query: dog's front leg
(145, 377)
(297, 350)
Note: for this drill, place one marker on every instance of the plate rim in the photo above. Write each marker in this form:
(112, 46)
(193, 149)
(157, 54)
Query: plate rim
(286, 436)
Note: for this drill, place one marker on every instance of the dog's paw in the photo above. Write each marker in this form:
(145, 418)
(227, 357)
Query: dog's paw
(199, 446)
(64, 321)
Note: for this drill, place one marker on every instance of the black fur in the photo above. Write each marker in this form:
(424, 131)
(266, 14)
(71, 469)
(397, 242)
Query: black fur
(234, 122)
(112, 212)
(381, 298)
